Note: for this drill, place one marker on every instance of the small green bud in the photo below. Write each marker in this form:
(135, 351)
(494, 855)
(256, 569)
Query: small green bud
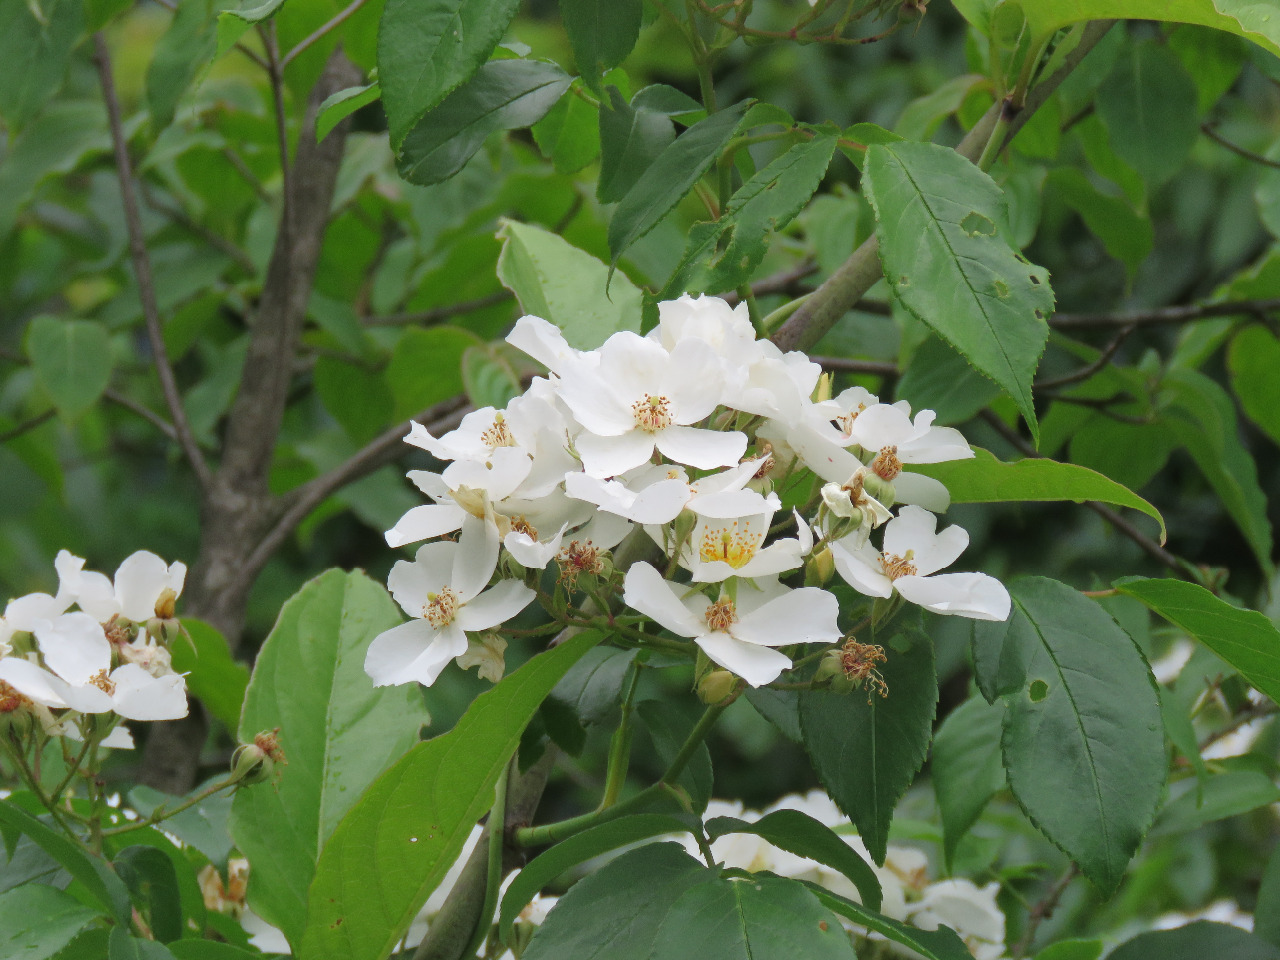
(879, 488)
(829, 667)
(819, 568)
(717, 687)
(250, 764)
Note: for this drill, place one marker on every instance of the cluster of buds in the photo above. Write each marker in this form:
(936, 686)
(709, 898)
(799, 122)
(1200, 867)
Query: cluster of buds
(108, 658)
(690, 436)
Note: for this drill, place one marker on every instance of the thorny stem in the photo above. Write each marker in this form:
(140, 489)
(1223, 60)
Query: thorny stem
(162, 812)
(142, 267)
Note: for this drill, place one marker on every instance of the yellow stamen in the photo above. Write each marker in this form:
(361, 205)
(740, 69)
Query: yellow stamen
(441, 608)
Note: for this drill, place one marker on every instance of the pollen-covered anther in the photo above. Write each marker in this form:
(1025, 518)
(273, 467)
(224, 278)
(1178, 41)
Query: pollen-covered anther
(721, 614)
(854, 489)
(498, 435)
(652, 413)
(846, 420)
(441, 608)
(11, 699)
(118, 633)
(895, 566)
(103, 682)
(268, 741)
(522, 525)
(764, 462)
(735, 544)
(859, 662)
(579, 557)
(886, 464)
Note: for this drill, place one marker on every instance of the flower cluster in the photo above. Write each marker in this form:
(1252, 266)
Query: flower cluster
(908, 893)
(697, 435)
(108, 657)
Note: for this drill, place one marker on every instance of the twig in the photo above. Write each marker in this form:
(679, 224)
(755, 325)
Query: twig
(1255, 712)
(844, 364)
(426, 318)
(1178, 314)
(1208, 130)
(145, 412)
(378, 452)
(1153, 549)
(320, 32)
(142, 269)
(275, 72)
(26, 425)
(215, 240)
(785, 281)
(247, 173)
(1043, 909)
(1084, 373)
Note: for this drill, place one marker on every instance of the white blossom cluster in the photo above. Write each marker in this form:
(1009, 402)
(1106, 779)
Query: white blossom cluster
(110, 656)
(694, 433)
(909, 895)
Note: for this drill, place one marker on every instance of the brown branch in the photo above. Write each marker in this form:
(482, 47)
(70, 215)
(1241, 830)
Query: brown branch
(1255, 712)
(862, 270)
(1149, 546)
(1043, 909)
(785, 281)
(1208, 130)
(846, 365)
(1179, 314)
(380, 451)
(38, 420)
(215, 240)
(142, 269)
(145, 412)
(321, 31)
(1085, 372)
(426, 318)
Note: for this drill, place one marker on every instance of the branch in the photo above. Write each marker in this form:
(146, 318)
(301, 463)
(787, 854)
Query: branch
(145, 412)
(320, 31)
(1208, 130)
(215, 240)
(380, 451)
(1152, 549)
(862, 270)
(1085, 372)
(785, 281)
(31, 424)
(1044, 909)
(845, 365)
(426, 318)
(142, 269)
(1179, 314)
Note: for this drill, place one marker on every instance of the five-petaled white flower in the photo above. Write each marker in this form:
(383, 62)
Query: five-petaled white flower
(739, 634)
(443, 589)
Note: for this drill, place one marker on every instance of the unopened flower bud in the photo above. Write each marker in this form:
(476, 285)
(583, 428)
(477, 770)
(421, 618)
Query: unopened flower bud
(716, 687)
(685, 521)
(250, 764)
(165, 603)
(879, 488)
(829, 667)
(819, 568)
(822, 391)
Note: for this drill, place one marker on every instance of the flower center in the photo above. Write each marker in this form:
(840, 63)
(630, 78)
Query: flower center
(886, 464)
(765, 462)
(103, 682)
(846, 421)
(721, 614)
(895, 566)
(735, 543)
(522, 525)
(441, 608)
(854, 488)
(859, 662)
(652, 413)
(11, 699)
(498, 435)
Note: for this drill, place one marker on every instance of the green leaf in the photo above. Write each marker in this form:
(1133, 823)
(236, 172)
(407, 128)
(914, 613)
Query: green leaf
(209, 950)
(1266, 914)
(631, 139)
(1129, 453)
(1149, 105)
(723, 254)
(202, 826)
(947, 256)
(565, 286)
(98, 13)
(940, 944)
(37, 921)
(186, 886)
(966, 769)
(180, 54)
(355, 395)
(122, 946)
(601, 34)
(98, 879)
(669, 731)
(1196, 941)
(1252, 359)
(1224, 795)
(501, 95)
(232, 24)
(342, 104)
(1245, 18)
(54, 143)
(489, 378)
(428, 48)
(1204, 419)
(1072, 950)
(779, 707)
(576, 849)
(36, 41)
(866, 748)
(1083, 740)
(338, 731)
(592, 686)
(671, 175)
(798, 833)
(764, 918)
(213, 674)
(984, 479)
(153, 881)
(72, 362)
(1126, 234)
(410, 825)
(425, 368)
(569, 134)
(1246, 639)
(614, 913)
(939, 379)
